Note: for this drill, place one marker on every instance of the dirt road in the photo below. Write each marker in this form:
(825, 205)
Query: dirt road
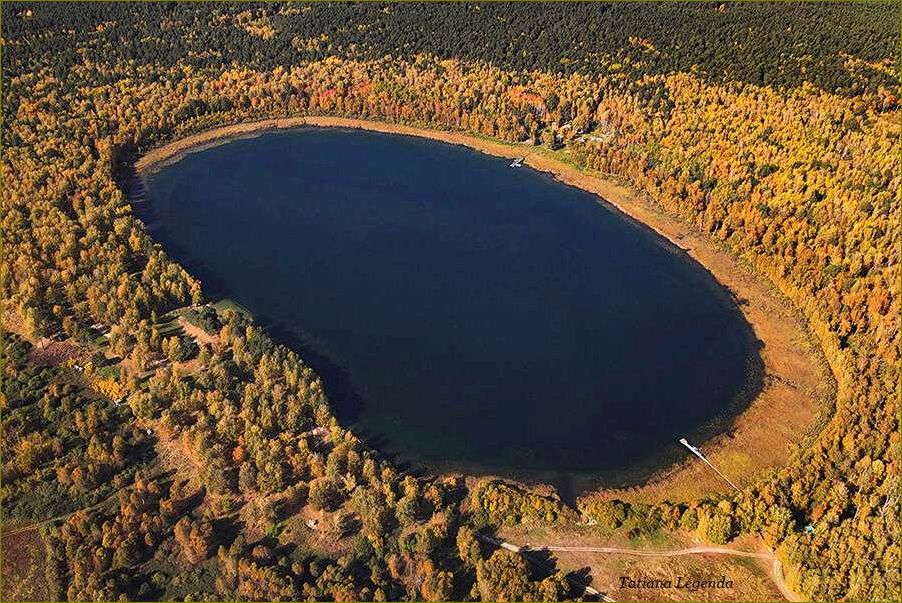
(777, 567)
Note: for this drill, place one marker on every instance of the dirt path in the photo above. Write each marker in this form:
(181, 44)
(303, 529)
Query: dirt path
(780, 581)
(522, 551)
(199, 335)
(37, 524)
(777, 567)
(93, 507)
(696, 550)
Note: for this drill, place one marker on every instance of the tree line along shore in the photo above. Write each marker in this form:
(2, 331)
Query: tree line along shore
(213, 466)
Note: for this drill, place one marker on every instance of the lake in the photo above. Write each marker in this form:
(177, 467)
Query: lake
(464, 315)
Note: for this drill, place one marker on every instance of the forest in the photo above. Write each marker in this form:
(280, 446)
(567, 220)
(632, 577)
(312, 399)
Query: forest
(165, 447)
(836, 47)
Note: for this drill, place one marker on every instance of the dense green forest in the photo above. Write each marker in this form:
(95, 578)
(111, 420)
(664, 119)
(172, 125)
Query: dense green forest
(780, 45)
(175, 451)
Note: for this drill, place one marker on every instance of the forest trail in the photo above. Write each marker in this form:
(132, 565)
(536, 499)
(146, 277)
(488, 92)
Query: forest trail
(88, 509)
(38, 524)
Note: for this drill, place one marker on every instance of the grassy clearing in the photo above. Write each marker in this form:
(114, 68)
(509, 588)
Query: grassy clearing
(748, 578)
(751, 580)
(24, 558)
(230, 304)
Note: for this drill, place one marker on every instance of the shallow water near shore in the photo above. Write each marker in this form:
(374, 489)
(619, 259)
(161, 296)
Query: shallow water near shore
(464, 315)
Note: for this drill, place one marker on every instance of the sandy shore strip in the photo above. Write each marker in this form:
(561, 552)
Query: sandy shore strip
(798, 387)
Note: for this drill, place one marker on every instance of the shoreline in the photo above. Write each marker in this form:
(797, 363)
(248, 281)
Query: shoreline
(796, 389)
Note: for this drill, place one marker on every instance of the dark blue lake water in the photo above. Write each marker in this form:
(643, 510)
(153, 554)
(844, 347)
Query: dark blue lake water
(464, 314)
